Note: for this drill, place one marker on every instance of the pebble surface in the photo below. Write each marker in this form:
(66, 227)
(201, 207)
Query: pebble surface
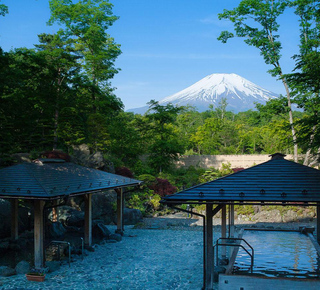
(145, 259)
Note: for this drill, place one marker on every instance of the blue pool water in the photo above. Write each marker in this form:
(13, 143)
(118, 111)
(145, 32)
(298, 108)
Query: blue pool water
(279, 254)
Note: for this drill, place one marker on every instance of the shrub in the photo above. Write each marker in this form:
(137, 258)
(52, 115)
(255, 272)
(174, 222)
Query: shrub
(124, 171)
(56, 154)
(163, 187)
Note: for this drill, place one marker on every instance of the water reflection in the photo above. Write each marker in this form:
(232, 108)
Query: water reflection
(279, 254)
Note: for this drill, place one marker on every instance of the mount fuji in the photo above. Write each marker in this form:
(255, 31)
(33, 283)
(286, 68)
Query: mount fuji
(240, 94)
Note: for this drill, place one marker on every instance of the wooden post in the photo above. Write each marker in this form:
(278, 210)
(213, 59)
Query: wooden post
(318, 223)
(120, 207)
(223, 229)
(55, 211)
(38, 234)
(88, 220)
(14, 219)
(209, 247)
(231, 221)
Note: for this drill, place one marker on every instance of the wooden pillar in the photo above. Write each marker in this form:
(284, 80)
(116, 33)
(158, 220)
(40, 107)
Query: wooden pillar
(38, 234)
(209, 248)
(318, 223)
(14, 219)
(88, 220)
(223, 229)
(120, 207)
(55, 211)
(231, 221)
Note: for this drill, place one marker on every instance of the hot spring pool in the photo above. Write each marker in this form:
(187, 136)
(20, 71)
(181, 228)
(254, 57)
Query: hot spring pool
(279, 254)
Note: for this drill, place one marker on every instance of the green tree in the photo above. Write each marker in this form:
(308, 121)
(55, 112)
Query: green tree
(164, 144)
(305, 81)
(86, 23)
(3, 9)
(62, 67)
(256, 21)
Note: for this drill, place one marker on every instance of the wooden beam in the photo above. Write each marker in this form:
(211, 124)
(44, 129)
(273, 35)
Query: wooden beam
(120, 207)
(223, 229)
(209, 247)
(88, 220)
(14, 219)
(231, 221)
(318, 223)
(38, 234)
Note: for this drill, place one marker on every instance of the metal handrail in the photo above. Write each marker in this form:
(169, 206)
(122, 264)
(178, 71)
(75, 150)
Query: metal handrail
(236, 245)
(69, 249)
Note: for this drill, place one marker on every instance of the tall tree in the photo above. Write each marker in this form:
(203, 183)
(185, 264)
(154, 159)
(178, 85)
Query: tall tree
(61, 67)
(257, 22)
(3, 9)
(164, 143)
(86, 22)
(305, 81)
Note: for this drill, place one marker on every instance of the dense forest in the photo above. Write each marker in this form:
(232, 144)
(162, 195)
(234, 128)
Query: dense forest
(58, 94)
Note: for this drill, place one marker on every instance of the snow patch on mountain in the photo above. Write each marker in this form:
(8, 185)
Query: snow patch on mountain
(240, 93)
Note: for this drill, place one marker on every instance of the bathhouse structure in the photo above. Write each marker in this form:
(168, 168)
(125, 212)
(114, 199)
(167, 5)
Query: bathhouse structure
(275, 182)
(49, 183)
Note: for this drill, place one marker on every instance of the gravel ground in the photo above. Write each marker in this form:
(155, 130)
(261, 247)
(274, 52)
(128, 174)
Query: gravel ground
(160, 253)
(144, 259)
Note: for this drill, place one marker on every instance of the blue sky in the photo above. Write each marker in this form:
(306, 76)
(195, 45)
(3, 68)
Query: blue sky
(167, 45)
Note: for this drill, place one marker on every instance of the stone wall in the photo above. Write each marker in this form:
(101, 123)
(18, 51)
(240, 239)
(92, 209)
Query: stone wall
(236, 161)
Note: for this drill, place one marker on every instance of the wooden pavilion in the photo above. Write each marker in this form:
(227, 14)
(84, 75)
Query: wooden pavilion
(275, 182)
(54, 181)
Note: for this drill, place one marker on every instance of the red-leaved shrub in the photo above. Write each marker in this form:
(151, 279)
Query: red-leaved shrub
(237, 169)
(163, 187)
(124, 171)
(56, 154)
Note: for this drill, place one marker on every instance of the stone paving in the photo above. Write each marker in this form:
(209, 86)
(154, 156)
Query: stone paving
(149, 259)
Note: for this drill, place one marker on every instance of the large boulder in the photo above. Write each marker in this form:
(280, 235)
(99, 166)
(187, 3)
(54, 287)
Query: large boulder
(69, 216)
(23, 267)
(83, 156)
(55, 230)
(6, 271)
(100, 231)
(5, 218)
(102, 205)
(131, 216)
(273, 216)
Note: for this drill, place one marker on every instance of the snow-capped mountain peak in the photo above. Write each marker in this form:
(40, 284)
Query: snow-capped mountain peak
(240, 93)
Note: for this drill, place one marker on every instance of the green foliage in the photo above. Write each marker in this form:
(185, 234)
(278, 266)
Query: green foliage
(3, 10)
(256, 22)
(164, 144)
(213, 173)
(244, 209)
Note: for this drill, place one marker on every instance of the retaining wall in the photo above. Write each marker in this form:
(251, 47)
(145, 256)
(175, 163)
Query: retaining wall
(236, 161)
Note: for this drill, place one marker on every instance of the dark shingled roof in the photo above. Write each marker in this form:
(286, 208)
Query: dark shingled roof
(271, 182)
(52, 179)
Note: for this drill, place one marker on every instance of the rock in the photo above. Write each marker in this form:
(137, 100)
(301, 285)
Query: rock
(69, 216)
(21, 157)
(290, 216)
(268, 216)
(100, 231)
(4, 246)
(115, 237)
(55, 230)
(23, 267)
(5, 218)
(53, 265)
(131, 216)
(102, 206)
(6, 271)
(83, 156)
